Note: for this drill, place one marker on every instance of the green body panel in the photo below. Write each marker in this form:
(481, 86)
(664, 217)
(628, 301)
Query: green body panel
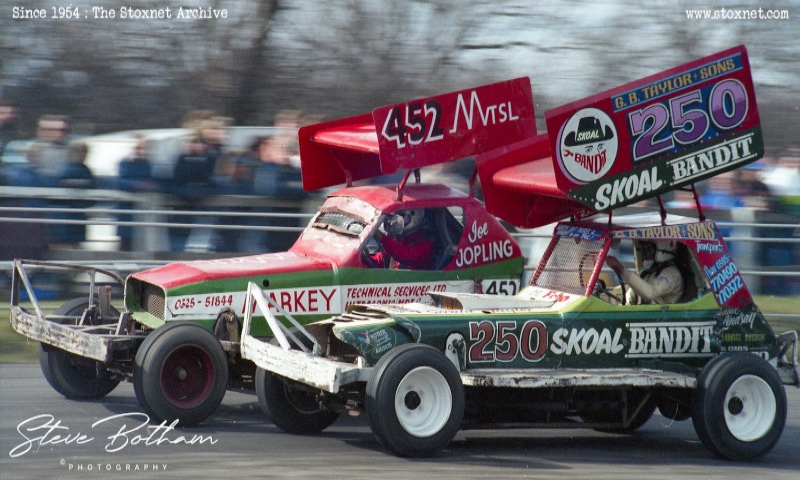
(589, 333)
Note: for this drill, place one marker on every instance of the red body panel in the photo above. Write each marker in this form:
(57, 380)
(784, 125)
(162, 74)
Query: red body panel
(183, 273)
(519, 185)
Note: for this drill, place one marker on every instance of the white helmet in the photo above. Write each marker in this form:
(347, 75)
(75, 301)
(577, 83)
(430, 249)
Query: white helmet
(412, 220)
(404, 222)
(665, 250)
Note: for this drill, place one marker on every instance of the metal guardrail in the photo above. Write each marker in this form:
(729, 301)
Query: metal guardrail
(152, 214)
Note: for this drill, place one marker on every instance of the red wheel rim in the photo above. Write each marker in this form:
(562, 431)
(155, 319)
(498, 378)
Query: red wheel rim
(187, 376)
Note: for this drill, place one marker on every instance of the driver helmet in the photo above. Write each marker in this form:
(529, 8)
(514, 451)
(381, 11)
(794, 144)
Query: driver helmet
(404, 222)
(413, 219)
(665, 250)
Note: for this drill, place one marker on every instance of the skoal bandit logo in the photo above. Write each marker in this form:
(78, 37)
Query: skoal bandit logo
(587, 145)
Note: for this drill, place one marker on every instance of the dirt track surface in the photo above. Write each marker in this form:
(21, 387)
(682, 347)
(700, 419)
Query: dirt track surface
(238, 442)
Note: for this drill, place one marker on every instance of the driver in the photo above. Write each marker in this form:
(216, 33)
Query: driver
(406, 241)
(659, 282)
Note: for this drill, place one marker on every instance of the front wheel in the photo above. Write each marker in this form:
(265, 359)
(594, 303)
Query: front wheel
(291, 406)
(71, 375)
(181, 373)
(415, 400)
(75, 377)
(739, 409)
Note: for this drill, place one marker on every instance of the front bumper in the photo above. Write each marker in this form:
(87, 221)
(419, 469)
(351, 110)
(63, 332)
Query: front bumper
(96, 333)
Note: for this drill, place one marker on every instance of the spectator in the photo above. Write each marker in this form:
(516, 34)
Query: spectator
(52, 134)
(237, 179)
(9, 113)
(213, 135)
(749, 187)
(24, 240)
(720, 195)
(191, 178)
(135, 176)
(73, 174)
(191, 181)
(783, 180)
(275, 177)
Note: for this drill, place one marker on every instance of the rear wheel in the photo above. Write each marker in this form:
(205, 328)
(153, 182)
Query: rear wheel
(415, 400)
(71, 375)
(181, 373)
(292, 407)
(739, 410)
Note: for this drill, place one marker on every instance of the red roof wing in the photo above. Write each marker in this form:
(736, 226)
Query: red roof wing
(520, 187)
(416, 134)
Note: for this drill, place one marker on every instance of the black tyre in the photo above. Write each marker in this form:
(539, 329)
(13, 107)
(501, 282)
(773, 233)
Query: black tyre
(676, 408)
(739, 409)
(642, 410)
(291, 406)
(180, 373)
(71, 375)
(415, 400)
(75, 377)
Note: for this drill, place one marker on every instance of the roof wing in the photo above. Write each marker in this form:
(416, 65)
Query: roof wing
(416, 134)
(634, 142)
(519, 185)
(657, 134)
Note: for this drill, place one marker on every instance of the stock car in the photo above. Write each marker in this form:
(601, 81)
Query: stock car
(177, 335)
(568, 350)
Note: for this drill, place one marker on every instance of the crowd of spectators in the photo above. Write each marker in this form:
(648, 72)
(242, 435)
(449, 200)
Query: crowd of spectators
(205, 167)
(269, 167)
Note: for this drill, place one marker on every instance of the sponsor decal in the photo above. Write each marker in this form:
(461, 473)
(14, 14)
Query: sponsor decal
(673, 340)
(724, 278)
(480, 250)
(454, 125)
(709, 247)
(735, 318)
(627, 188)
(582, 233)
(377, 341)
(587, 145)
(647, 340)
(720, 157)
(677, 82)
(391, 294)
(699, 231)
(586, 341)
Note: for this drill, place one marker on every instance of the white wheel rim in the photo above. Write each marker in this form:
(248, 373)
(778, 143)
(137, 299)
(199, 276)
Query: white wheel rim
(750, 408)
(423, 402)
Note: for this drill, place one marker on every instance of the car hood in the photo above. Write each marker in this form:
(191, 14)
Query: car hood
(183, 273)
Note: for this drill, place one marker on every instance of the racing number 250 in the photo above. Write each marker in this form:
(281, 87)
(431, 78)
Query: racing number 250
(727, 109)
(499, 342)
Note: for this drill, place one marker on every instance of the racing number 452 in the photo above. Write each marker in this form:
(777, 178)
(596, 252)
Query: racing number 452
(416, 124)
(502, 287)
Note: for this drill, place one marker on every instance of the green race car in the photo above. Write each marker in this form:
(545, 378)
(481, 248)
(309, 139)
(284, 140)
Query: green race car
(623, 315)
